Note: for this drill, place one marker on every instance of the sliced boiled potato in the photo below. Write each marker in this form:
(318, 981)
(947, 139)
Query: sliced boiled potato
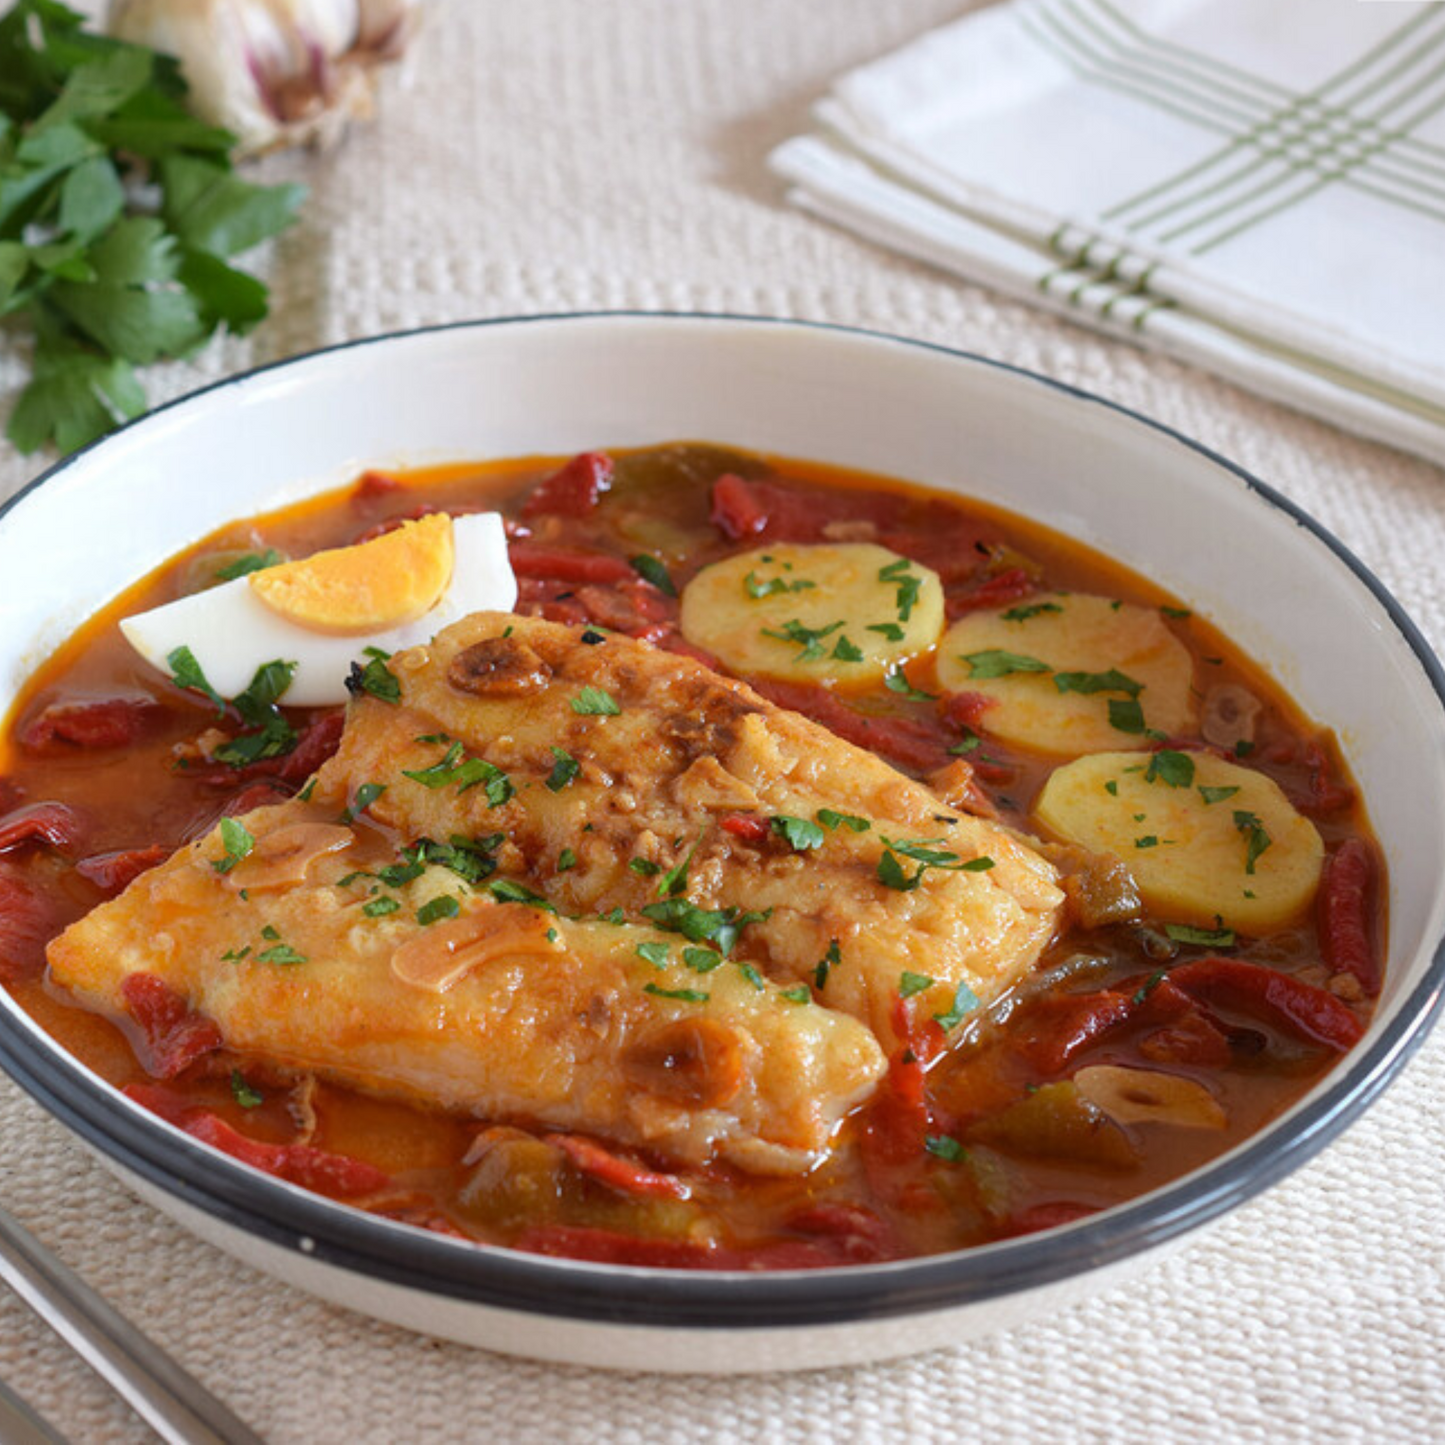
(1018, 655)
(1210, 844)
(848, 613)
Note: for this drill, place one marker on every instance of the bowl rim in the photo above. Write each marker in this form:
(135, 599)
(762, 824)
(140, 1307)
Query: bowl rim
(370, 1247)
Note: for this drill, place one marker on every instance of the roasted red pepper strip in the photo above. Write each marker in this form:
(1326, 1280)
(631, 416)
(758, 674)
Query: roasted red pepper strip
(567, 564)
(311, 1168)
(607, 1246)
(53, 823)
(1344, 914)
(1053, 1030)
(108, 722)
(857, 1234)
(750, 827)
(626, 1175)
(574, 490)
(175, 1036)
(319, 739)
(1045, 1216)
(1010, 586)
(1307, 1012)
(27, 921)
(114, 872)
(736, 510)
(901, 740)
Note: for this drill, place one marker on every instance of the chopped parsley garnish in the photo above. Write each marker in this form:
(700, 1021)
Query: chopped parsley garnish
(564, 769)
(304, 796)
(799, 832)
(376, 678)
(1112, 787)
(1178, 613)
(701, 960)
(1256, 839)
(237, 842)
(717, 926)
(504, 890)
(280, 953)
(965, 1001)
(380, 907)
(469, 858)
(243, 1093)
(614, 916)
(645, 866)
(895, 681)
(1216, 795)
(909, 586)
(827, 964)
(1203, 937)
(845, 650)
(809, 639)
(650, 569)
(465, 772)
(1029, 609)
(682, 995)
(397, 874)
(1126, 715)
(566, 860)
(366, 795)
(927, 854)
(1090, 682)
(752, 976)
(969, 743)
(250, 562)
(945, 1147)
(797, 994)
(654, 953)
(271, 735)
(829, 819)
(759, 587)
(1150, 840)
(595, 702)
(1149, 985)
(269, 932)
(433, 911)
(1174, 770)
(910, 983)
(591, 636)
(889, 630)
(674, 881)
(235, 955)
(995, 662)
(186, 672)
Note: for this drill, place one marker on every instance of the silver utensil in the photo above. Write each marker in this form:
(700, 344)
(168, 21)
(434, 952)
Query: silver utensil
(174, 1404)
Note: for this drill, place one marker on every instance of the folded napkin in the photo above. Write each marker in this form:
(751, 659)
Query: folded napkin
(1256, 186)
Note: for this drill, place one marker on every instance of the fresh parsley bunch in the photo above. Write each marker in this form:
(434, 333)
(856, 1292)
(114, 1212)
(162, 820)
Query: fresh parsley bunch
(119, 216)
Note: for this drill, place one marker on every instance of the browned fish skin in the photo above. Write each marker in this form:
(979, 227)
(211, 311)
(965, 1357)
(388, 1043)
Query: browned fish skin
(686, 748)
(505, 1011)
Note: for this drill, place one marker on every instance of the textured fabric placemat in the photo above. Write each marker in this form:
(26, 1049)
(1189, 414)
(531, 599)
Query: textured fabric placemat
(575, 154)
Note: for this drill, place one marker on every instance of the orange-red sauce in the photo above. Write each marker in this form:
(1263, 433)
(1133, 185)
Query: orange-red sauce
(989, 1149)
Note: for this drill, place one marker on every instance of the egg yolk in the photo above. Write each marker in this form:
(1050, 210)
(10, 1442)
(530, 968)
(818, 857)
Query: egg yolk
(371, 587)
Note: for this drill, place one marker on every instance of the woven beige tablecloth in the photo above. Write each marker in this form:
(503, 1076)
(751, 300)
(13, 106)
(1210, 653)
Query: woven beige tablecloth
(575, 154)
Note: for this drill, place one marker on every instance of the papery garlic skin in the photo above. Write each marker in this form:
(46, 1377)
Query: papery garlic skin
(273, 72)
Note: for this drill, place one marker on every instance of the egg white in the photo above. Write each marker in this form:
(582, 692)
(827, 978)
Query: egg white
(231, 632)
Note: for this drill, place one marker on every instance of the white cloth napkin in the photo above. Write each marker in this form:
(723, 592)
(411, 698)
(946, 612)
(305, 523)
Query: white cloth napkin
(1256, 186)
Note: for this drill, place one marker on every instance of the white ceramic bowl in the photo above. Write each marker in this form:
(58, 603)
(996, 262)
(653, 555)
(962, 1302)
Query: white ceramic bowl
(1275, 581)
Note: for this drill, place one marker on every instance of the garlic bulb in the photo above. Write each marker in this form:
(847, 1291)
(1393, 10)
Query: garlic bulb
(274, 72)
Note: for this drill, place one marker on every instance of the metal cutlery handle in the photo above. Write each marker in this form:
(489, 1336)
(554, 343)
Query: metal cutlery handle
(171, 1401)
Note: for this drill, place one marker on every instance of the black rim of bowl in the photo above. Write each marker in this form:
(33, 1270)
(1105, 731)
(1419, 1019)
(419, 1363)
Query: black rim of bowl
(377, 1249)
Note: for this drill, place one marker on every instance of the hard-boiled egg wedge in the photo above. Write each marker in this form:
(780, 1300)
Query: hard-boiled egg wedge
(1209, 843)
(1070, 673)
(322, 612)
(846, 614)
